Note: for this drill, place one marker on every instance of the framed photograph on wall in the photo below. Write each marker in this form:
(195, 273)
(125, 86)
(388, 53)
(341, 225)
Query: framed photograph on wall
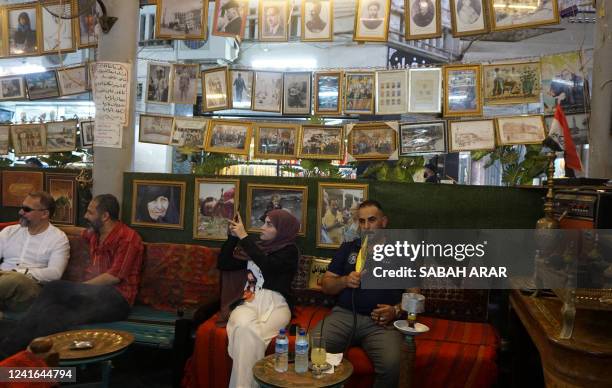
(563, 82)
(5, 131)
(158, 204)
(423, 19)
(156, 129)
(372, 20)
(184, 83)
(29, 139)
(158, 83)
(273, 17)
(317, 20)
(469, 17)
(230, 17)
(371, 141)
(88, 29)
(268, 91)
(520, 130)
(87, 133)
(215, 204)
(62, 188)
(337, 218)
(391, 92)
(188, 132)
(276, 141)
(73, 80)
(328, 93)
(16, 185)
(262, 199)
(510, 14)
(61, 136)
(512, 83)
(578, 124)
(321, 142)
(473, 135)
(185, 19)
(228, 137)
(23, 27)
(425, 90)
(296, 93)
(242, 89)
(215, 93)
(57, 32)
(422, 138)
(462, 90)
(42, 85)
(359, 93)
(12, 88)
(3, 34)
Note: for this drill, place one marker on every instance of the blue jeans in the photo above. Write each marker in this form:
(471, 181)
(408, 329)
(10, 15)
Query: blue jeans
(62, 305)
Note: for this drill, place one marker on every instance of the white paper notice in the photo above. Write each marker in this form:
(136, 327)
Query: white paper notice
(111, 92)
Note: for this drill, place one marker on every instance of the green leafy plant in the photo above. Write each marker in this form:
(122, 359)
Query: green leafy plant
(5, 162)
(209, 163)
(402, 170)
(314, 168)
(61, 159)
(514, 170)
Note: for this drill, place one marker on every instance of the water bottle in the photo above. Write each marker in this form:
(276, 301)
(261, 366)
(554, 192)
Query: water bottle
(281, 358)
(301, 352)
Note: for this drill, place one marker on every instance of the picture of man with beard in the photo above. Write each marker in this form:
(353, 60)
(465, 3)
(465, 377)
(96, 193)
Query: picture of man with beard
(423, 12)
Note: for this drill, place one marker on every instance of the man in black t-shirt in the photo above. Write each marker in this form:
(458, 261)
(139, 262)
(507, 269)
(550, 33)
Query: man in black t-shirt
(371, 327)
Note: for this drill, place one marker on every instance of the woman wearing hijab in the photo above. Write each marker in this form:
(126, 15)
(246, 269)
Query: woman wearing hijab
(157, 204)
(265, 308)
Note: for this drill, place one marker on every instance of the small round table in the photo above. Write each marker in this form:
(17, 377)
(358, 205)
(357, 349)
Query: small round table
(267, 376)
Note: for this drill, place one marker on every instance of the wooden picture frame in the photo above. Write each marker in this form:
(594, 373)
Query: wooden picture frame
(3, 32)
(272, 20)
(62, 188)
(512, 83)
(218, 210)
(12, 87)
(422, 138)
(314, 137)
(42, 85)
(423, 19)
(29, 139)
(49, 27)
(87, 129)
(342, 194)
(158, 83)
(230, 18)
(214, 134)
(528, 129)
(315, 28)
(30, 40)
(360, 149)
(425, 90)
(241, 81)
(268, 91)
(165, 28)
(61, 136)
(5, 139)
(521, 15)
(87, 25)
(161, 128)
(189, 132)
(254, 214)
(469, 17)
(359, 92)
(369, 26)
(216, 93)
(269, 135)
(297, 93)
(184, 83)
(16, 185)
(471, 135)
(73, 80)
(328, 82)
(462, 83)
(158, 204)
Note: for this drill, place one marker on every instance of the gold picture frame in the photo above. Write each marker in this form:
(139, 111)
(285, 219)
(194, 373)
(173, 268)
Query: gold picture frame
(317, 139)
(525, 129)
(87, 25)
(218, 125)
(166, 212)
(61, 185)
(230, 28)
(20, 9)
(178, 74)
(291, 145)
(471, 135)
(317, 29)
(163, 132)
(73, 80)
(458, 82)
(520, 9)
(275, 201)
(161, 18)
(245, 86)
(278, 32)
(469, 17)
(333, 109)
(56, 138)
(3, 33)
(212, 101)
(363, 151)
(512, 83)
(332, 238)
(423, 24)
(44, 13)
(372, 28)
(37, 134)
(199, 203)
(357, 101)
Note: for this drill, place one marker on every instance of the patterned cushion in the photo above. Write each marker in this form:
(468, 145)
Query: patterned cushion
(301, 293)
(79, 255)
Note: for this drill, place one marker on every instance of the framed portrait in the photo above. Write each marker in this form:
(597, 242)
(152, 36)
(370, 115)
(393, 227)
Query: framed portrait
(215, 93)
(158, 204)
(469, 17)
(337, 218)
(16, 185)
(42, 85)
(296, 93)
(5, 131)
(61, 136)
(425, 90)
(462, 90)
(12, 88)
(242, 89)
(184, 83)
(23, 27)
(87, 133)
(578, 124)
(276, 141)
(423, 19)
(188, 132)
(216, 203)
(317, 21)
(156, 129)
(359, 93)
(185, 19)
(371, 141)
(228, 137)
(328, 93)
(158, 83)
(88, 29)
(372, 20)
(272, 23)
(391, 92)
(268, 90)
(3, 33)
(515, 83)
(262, 199)
(73, 80)
(321, 142)
(520, 130)
(62, 188)
(57, 32)
(422, 138)
(510, 14)
(230, 17)
(29, 139)
(563, 83)
(473, 135)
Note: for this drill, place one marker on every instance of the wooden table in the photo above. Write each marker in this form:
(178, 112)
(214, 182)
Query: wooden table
(585, 359)
(267, 376)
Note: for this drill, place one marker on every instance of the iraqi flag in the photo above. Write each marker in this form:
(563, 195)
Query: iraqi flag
(560, 139)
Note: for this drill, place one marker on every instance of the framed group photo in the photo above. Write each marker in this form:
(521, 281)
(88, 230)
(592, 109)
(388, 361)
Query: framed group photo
(155, 129)
(262, 198)
(423, 19)
(241, 82)
(391, 92)
(511, 14)
(515, 83)
(462, 90)
(268, 91)
(158, 83)
(520, 130)
(188, 132)
(42, 85)
(61, 136)
(87, 133)
(216, 203)
(230, 17)
(321, 142)
(12, 88)
(296, 93)
(276, 141)
(29, 139)
(215, 93)
(159, 204)
(337, 213)
(371, 141)
(89, 28)
(472, 135)
(359, 94)
(372, 20)
(57, 32)
(228, 137)
(23, 27)
(185, 19)
(273, 17)
(62, 188)
(469, 17)
(328, 93)
(422, 138)
(73, 80)
(184, 83)
(317, 20)
(16, 185)
(424, 91)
